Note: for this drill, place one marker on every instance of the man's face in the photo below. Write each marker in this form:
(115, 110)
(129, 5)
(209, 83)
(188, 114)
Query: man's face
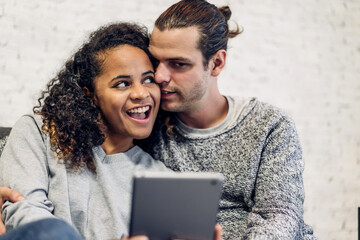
(181, 74)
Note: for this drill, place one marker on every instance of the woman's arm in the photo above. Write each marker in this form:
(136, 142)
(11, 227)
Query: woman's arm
(24, 167)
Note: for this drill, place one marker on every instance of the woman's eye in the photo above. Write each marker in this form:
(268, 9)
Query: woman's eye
(121, 84)
(149, 80)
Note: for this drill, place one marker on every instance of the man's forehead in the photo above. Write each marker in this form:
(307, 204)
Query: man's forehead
(174, 43)
(175, 37)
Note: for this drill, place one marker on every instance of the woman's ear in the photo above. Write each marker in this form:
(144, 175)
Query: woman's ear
(90, 94)
(218, 62)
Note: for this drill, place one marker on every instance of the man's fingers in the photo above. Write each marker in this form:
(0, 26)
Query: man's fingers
(10, 194)
(218, 232)
(15, 196)
(2, 227)
(136, 238)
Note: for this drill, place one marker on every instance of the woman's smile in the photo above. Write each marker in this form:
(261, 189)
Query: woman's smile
(140, 113)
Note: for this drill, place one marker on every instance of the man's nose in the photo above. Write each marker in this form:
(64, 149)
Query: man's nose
(162, 74)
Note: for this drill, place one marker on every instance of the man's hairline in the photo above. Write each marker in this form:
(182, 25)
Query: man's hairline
(198, 41)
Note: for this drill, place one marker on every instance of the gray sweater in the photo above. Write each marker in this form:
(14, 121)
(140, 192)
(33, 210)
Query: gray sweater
(97, 205)
(258, 151)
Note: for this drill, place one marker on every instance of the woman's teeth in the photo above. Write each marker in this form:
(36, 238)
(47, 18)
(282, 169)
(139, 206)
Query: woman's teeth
(139, 113)
(139, 110)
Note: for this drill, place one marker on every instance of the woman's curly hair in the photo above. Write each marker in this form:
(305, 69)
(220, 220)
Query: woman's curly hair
(70, 117)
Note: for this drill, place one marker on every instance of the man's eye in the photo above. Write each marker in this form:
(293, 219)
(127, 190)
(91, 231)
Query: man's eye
(178, 64)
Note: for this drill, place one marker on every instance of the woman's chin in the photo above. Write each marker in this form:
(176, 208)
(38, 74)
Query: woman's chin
(142, 135)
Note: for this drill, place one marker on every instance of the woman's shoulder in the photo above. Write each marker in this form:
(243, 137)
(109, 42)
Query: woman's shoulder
(26, 125)
(29, 120)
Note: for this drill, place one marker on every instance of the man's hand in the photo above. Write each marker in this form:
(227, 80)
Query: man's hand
(11, 195)
(217, 235)
(218, 232)
(135, 238)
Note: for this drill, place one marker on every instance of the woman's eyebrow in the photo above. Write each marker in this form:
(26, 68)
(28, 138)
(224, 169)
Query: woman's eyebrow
(146, 73)
(128, 76)
(120, 76)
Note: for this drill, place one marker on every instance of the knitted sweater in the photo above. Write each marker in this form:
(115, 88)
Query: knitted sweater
(96, 204)
(260, 156)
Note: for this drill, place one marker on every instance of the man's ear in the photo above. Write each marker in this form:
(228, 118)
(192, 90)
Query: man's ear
(88, 93)
(218, 62)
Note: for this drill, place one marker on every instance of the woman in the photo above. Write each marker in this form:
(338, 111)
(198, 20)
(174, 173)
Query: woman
(74, 158)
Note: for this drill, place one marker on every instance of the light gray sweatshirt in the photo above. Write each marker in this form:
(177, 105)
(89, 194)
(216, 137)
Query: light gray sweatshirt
(97, 205)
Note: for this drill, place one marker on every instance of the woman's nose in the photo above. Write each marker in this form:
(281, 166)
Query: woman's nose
(139, 91)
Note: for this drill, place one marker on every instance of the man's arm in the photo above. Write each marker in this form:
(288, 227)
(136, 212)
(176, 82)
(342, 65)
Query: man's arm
(279, 192)
(7, 194)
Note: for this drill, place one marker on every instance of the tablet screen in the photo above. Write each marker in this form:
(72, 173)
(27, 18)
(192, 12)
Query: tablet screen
(168, 205)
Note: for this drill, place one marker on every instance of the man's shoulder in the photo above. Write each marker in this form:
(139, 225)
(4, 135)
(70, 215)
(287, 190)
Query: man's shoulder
(273, 111)
(255, 110)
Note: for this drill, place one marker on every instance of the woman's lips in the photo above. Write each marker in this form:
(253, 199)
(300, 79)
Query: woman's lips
(139, 113)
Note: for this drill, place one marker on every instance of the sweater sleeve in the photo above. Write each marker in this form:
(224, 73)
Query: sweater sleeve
(23, 166)
(279, 192)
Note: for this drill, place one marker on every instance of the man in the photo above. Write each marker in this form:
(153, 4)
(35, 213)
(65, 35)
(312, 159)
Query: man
(253, 144)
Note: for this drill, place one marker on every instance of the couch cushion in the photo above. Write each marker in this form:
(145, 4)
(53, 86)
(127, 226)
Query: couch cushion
(4, 133)
(2, 144)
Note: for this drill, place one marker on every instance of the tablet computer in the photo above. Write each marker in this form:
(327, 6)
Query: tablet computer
(169, 205)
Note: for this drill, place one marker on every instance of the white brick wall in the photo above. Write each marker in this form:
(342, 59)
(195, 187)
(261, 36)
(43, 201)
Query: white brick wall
(302, 55)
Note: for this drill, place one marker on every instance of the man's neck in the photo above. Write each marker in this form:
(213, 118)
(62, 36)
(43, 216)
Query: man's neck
(208, 115)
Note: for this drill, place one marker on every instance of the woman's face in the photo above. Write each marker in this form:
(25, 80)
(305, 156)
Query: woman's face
(126, 92)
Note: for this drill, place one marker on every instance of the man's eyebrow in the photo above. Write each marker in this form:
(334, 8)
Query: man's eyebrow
(179, 59)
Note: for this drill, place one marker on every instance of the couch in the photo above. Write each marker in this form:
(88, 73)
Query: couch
(4, 133)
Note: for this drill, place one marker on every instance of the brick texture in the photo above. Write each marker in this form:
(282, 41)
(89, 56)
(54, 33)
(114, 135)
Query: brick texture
(302, 55)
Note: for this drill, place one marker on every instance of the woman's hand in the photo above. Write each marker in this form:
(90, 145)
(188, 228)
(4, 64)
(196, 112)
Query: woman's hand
(7, 194)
